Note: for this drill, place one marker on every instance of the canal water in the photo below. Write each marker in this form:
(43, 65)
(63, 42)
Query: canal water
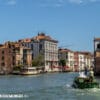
(51, 86)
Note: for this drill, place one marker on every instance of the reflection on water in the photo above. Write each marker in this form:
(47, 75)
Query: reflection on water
(52, 86)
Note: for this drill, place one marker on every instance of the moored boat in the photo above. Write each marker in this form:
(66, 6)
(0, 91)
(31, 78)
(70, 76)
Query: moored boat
(29, 71)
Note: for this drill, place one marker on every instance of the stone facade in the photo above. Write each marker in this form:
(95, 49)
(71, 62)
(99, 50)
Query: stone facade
(76, 60)
(68, 56)
(46, 47)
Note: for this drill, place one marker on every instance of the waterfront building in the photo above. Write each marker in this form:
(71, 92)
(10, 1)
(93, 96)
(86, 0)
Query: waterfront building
(76, 61)
(12, 55)
(46, 47)
(68, 56)
(31, 43)
(23, 55)
(6, 59)
(83, 59)
(97, 56)
(88, 60)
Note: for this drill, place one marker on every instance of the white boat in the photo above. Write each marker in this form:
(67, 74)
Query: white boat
(29, 71)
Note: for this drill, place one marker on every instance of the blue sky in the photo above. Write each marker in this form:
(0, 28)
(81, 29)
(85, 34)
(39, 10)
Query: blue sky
(74, 23)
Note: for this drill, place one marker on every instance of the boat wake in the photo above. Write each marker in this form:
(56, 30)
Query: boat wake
(69, 86)
(93, 90)
(87, 90)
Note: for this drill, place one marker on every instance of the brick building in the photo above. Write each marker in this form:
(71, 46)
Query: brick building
(97, 56)
(12, 55)
(6, 59)
(76, 61)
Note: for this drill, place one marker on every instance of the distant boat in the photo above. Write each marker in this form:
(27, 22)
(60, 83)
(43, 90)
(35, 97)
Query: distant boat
(29, 71)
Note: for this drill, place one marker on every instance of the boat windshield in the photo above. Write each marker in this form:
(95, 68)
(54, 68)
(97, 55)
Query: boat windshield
(81, 74)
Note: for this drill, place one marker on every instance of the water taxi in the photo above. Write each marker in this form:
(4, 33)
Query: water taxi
(83, 82)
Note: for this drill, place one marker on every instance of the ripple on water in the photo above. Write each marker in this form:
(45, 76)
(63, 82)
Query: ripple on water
(47, 87)
(53, 93)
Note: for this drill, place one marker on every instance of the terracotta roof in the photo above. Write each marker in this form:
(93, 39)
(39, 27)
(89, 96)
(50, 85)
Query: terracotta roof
(65, 50)
(96, 39)
(3, 47)
(25, 40)
(42, 36)
(84, 52)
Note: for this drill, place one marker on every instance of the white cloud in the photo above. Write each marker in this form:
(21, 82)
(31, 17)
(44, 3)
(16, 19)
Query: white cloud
(61, 3)
(83, 1)
(49, 3)
(8, 2)
(94, 0)
(11, 2)
(76, 1)
(52, 3)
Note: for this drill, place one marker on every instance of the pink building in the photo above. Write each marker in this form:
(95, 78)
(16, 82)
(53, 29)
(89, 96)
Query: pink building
(76, 61)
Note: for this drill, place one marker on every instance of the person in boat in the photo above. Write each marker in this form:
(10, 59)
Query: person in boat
(91, 75)
(85, 71)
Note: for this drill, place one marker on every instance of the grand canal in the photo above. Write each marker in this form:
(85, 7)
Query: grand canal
(51, 86)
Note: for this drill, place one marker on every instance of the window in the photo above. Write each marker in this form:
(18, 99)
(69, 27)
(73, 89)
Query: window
(3, 52)
(40, 46)
(14, 50)
(2, 57)
(9, 46)
(13, 63)
(25, 51)
(22, 44)
(32, 46)
(66, 56)
(32, 56)
(3, 64)
(13, 57)
(98, 46)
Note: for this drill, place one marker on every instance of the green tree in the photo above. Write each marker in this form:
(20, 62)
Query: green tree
(62, 62)
(38, 61)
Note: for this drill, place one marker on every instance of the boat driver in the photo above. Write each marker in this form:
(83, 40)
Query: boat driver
(85, 70)
(91, 74)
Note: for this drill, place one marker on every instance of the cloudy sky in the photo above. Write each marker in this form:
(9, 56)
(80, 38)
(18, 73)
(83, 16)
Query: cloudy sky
(74, 23)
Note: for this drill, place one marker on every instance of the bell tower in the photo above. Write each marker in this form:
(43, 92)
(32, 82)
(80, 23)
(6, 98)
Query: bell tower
(97, 56)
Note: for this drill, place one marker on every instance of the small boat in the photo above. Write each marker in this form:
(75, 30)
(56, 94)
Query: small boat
(83, 82)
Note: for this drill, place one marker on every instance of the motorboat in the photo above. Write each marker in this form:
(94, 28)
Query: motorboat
(83, 82)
